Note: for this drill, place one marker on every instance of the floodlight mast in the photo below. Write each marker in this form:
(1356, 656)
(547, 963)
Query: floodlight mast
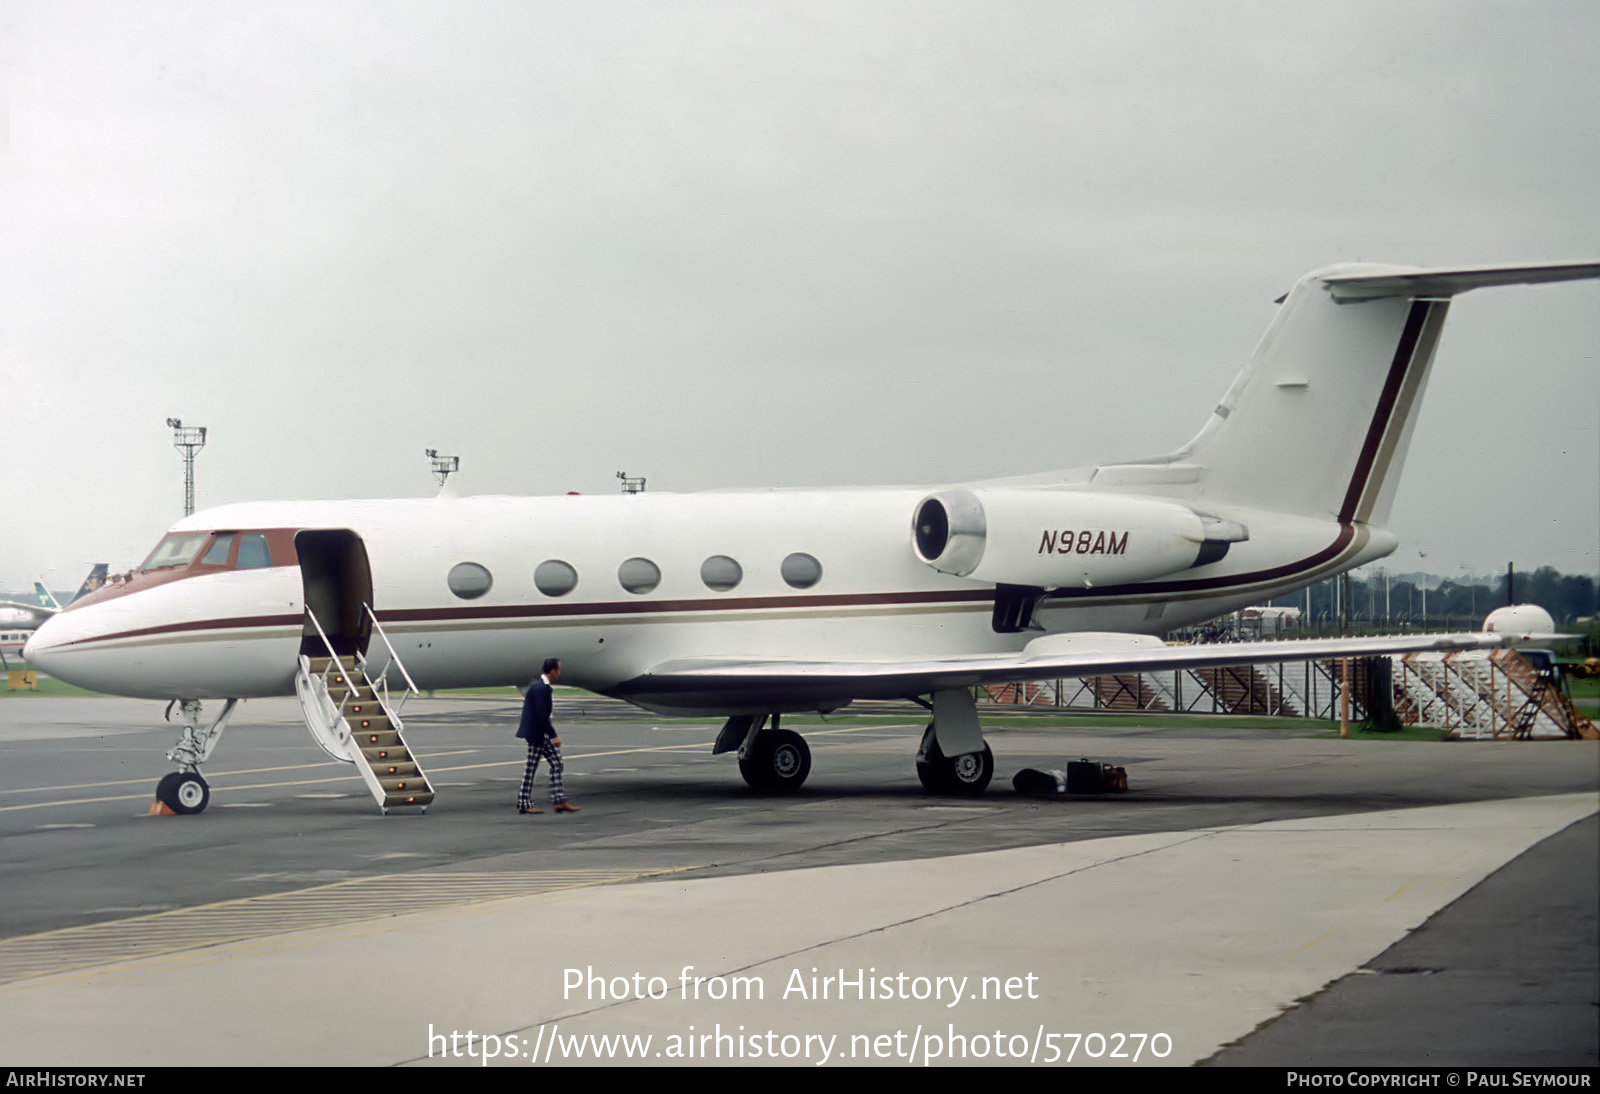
(443, 466)
(188, 440)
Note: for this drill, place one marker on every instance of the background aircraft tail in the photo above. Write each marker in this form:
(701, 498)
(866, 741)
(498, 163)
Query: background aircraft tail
(1318, 422)
(96, 578)
(45, 598)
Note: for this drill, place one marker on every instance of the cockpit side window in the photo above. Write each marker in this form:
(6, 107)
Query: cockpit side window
(176, 550)
(253, 552)
(218, 554)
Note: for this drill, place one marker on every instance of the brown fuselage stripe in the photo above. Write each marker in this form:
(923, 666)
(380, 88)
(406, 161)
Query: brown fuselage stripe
(235, 623)
(1211, 584)
(651, 607)
(663, 607)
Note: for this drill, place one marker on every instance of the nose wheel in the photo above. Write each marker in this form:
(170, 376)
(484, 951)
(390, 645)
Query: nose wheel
(183, 792)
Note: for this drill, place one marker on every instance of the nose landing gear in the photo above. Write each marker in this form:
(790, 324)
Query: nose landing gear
(185, 791)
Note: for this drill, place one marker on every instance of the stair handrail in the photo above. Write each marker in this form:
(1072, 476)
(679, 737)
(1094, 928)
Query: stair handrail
(333, 660)
(394, 659)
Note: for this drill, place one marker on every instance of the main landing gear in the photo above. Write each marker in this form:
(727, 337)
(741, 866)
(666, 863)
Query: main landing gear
(953, 758)
(967, 774)
(772, 761)
(185, 790)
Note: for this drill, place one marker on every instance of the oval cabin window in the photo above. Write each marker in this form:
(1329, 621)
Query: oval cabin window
(468, 580)
(639, 575)
(801, 571)
(721, 573)
(555, 578)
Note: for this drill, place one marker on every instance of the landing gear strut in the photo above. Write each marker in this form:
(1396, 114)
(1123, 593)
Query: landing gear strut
(185, 790)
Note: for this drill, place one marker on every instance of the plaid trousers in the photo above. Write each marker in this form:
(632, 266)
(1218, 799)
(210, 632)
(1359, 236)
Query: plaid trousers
(552, 755)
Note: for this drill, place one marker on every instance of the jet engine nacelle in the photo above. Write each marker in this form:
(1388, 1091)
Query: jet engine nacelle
(1054, 538)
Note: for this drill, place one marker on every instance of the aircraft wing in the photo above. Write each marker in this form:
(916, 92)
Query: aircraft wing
(722, 682)
(38, 613)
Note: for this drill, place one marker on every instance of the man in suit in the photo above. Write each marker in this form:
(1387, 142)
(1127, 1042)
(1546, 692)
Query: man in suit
(540, 734)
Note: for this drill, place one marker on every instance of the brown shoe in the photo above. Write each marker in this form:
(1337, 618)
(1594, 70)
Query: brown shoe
(530, 810)
(566, 807)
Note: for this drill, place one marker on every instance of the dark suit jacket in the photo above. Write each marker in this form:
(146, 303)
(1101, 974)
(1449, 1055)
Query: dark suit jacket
(536, 705)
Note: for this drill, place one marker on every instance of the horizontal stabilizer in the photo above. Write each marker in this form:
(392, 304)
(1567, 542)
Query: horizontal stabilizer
(1445, 283)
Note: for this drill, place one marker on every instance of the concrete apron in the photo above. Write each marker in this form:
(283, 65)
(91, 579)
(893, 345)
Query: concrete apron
(1198, 935)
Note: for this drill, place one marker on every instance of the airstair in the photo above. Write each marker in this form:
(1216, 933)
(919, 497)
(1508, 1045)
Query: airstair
(353, 717)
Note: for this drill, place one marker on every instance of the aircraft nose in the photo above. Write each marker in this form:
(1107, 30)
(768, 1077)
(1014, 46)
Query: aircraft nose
(36, 650)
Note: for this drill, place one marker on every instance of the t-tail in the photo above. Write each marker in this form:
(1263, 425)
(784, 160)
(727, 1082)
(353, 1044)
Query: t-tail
(1318, 422)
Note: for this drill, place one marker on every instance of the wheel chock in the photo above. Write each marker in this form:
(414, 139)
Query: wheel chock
(160, 808)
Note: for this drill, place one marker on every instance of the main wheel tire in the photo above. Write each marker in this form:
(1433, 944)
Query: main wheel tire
(968, 774)
(778, 761)
(184, 792)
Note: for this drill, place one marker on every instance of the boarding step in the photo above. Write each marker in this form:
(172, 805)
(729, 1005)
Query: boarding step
(394, 754)
(392, 773)
(369, 733)
(396, 769)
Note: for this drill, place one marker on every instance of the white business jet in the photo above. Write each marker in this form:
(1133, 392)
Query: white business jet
(751, 604)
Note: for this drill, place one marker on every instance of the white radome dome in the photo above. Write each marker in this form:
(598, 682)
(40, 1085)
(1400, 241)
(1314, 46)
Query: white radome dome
(1519, 619)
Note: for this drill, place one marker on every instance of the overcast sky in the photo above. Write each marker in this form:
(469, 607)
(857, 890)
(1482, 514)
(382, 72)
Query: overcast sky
(764, 244)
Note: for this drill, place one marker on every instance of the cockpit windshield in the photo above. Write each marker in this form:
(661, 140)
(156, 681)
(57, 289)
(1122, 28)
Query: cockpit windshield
(176, 550)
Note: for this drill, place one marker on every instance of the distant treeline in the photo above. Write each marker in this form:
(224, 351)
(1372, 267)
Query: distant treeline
(1567, 597)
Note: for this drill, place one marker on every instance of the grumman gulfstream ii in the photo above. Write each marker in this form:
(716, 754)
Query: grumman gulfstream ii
(748, 605)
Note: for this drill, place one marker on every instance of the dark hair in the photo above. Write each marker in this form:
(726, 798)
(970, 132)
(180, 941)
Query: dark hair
(550, 665)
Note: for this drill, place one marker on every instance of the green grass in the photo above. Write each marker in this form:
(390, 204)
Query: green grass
(50, 687)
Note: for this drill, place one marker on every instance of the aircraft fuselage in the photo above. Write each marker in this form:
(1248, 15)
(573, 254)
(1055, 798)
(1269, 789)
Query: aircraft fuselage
(829, 574)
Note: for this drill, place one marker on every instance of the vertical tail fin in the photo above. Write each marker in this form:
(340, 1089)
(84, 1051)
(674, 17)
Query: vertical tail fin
(1318, 422)
(96, 578)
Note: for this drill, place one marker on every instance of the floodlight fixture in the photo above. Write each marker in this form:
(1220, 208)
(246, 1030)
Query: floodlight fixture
(188, 440)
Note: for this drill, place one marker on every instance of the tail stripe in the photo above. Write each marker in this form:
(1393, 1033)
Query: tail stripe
(1404, 413)
(1404, 353)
